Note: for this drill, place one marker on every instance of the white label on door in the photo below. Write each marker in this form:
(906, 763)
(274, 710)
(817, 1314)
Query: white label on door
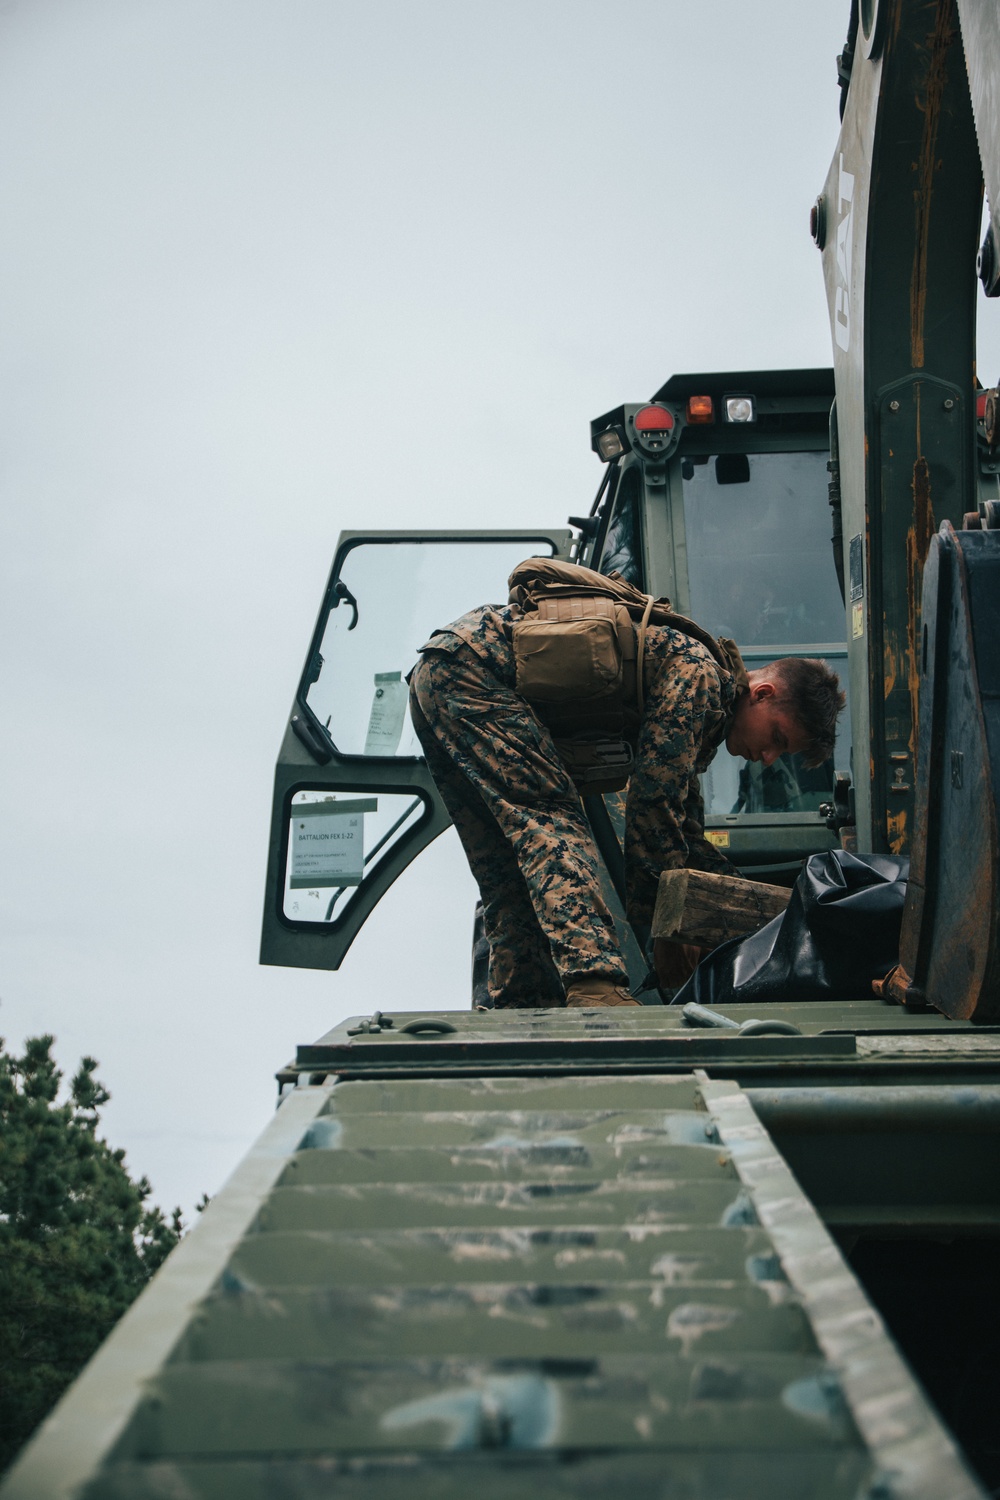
(328, 843)
(385, 725)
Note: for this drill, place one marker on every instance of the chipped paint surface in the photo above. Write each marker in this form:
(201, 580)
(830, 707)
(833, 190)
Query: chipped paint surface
(896, 825)
(513, 1411)
(970, 1044)
(528, 1279)
(560, 1274)
(692, 1320)
(912, 1449)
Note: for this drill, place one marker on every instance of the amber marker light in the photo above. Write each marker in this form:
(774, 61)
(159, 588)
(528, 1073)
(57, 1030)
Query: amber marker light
(700, 409)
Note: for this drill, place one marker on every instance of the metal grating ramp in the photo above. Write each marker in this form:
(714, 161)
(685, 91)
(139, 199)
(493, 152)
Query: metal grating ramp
(517, 1287)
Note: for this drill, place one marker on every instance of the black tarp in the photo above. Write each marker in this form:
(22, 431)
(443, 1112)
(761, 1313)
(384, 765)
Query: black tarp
(839, 932)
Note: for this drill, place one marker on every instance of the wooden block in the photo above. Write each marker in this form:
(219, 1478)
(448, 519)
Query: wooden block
(693, 906)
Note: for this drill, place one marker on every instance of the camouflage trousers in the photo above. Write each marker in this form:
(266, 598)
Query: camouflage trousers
(522, 825)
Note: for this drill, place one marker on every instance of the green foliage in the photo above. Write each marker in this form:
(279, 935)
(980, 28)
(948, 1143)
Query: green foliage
(77, 1241)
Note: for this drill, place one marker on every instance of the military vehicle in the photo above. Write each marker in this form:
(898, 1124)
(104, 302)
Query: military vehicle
(550, 1253)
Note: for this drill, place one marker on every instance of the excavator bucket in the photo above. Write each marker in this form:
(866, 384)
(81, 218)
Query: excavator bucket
(948, 947)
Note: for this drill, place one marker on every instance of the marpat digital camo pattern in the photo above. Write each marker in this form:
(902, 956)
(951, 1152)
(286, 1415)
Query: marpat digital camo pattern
(520, 817)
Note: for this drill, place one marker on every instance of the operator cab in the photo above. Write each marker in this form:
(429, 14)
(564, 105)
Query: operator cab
(714, 495)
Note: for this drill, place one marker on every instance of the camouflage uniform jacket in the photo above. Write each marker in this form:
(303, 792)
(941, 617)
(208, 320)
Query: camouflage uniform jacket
(688, 707)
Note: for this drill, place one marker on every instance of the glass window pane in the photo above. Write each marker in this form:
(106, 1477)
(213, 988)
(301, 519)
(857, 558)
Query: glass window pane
(760, 563)
(393, 595)
(620, 553)
(335, 840)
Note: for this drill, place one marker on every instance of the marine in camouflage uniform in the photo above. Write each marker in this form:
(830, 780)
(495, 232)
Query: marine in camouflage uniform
(520, 817)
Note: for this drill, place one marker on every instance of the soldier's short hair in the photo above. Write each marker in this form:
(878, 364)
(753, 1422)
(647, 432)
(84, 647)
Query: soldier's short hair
(812, 694)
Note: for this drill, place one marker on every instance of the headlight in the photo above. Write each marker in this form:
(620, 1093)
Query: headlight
(609, 444)
(739, 408)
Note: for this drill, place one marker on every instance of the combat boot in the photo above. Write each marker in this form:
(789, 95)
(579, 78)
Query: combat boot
(587, 990)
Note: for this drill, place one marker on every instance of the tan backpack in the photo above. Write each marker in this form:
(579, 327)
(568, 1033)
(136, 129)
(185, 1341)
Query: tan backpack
(578, 651)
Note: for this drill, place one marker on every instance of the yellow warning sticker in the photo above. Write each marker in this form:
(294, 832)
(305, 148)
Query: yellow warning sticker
(857, 620)
(717, 837)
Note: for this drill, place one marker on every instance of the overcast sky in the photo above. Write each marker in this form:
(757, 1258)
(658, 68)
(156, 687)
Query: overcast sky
(270, 269)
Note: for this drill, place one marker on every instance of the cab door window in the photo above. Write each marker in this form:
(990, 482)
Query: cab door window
(354, 801)
(384, 602)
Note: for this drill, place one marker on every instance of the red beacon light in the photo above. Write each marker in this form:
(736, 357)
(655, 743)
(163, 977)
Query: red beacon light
(653, 419)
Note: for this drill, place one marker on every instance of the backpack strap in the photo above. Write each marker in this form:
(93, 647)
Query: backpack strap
(539, 578)
(641, 651)
(733, 662)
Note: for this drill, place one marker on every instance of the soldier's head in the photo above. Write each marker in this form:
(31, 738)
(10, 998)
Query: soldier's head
(792, 705)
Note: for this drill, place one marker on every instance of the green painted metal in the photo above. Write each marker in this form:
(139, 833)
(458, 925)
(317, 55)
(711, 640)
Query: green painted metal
(840, 1042)
(532, 1285)
(914, 1161)
(914, 1456)
(795, 1474)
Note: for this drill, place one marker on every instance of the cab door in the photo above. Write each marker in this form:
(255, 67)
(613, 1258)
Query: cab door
(354, 802)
